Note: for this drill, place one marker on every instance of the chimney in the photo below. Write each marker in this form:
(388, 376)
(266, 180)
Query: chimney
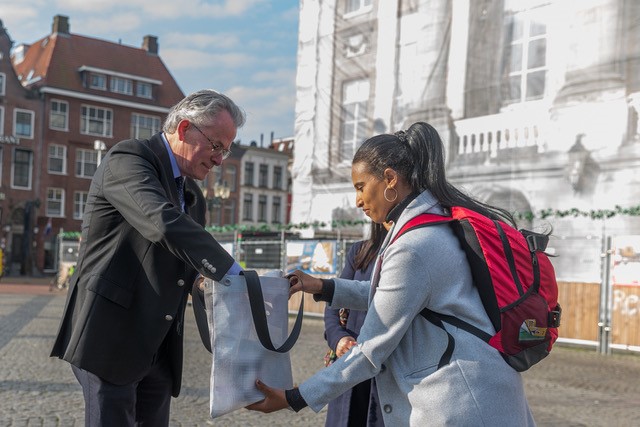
(60, 25)
(150, 44)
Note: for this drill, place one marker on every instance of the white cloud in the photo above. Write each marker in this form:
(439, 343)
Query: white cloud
(166, 8)
(185, 58)
(201, 41)
(120, 23)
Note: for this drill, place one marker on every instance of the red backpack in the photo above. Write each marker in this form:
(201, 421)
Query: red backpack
(515, 280)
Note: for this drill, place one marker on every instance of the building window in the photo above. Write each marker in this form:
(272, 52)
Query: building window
(263, 175)
(57, 162)
(229, 212)
(59, 115)
(262, 208)
(143, 90)
(248, 173)
(277, 177)
(55, 202)
(525, 52)
(3, 80)
(120, 85)
(144, 127)
(355, 95)
(231, 173)
(22, 169)
(357, 6)
(276, 210)
(247, 209)
(23, 123)
(86, 163)
(1, 121)
(79, 202)
(98, 81)
(96, 121)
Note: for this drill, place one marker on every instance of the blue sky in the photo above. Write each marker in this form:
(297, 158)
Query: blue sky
(243, 48)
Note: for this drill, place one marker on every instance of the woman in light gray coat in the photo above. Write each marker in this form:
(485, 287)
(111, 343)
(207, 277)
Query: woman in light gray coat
(397, 177)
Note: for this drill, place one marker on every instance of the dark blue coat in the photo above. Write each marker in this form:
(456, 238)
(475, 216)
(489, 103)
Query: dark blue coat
(338, 410)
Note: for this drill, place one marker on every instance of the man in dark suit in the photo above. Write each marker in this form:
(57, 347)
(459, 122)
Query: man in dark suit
(143, 245)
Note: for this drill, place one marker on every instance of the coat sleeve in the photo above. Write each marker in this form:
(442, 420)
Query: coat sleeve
(333, 332)
(132, 183)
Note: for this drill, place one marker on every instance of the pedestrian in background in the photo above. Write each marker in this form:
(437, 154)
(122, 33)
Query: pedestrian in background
(396, 177)
(143, 243)
(360, 405)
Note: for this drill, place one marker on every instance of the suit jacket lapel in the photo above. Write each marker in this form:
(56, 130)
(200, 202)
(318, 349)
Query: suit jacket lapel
(157, 146)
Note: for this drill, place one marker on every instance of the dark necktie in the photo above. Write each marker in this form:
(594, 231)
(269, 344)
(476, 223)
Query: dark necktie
(180, 185)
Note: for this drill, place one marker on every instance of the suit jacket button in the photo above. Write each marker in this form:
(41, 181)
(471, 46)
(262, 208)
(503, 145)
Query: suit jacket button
(168, 317)
(387, 409)
(180, 282)
(212, 269)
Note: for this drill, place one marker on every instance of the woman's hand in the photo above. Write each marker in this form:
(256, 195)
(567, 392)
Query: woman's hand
(301, 281)
(344, 345)
(274, 399)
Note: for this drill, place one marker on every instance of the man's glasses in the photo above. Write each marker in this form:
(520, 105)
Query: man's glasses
(215, 149)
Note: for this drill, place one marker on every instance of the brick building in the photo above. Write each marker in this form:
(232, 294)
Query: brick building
(88, 94)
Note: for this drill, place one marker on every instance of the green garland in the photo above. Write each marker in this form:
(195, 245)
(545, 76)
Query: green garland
(528, 216)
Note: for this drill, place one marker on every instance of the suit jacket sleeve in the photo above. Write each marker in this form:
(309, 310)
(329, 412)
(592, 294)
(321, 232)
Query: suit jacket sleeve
(135, 182)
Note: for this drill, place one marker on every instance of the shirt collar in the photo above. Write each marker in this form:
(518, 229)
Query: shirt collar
(172, 158)
(395, 212)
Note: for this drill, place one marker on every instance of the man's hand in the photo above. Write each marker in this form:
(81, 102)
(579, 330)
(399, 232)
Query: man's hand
(344, 345)
(274, 399)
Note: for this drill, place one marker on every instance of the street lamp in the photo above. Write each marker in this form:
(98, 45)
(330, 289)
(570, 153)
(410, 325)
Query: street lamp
(99, 146)
(221, 192)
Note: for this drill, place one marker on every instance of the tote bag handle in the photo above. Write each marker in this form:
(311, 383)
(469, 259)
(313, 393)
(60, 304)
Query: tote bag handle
(256, 301)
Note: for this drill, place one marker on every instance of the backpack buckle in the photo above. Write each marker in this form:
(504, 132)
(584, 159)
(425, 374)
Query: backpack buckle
(536, 241)
(553, 320)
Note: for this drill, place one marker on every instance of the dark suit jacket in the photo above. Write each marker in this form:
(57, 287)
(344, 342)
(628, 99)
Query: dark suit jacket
(138, 259)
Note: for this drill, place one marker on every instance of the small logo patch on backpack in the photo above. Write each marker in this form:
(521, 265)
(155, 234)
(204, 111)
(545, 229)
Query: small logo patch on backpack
(530, 332)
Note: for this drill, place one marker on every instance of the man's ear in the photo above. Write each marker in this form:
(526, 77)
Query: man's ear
(183, 125)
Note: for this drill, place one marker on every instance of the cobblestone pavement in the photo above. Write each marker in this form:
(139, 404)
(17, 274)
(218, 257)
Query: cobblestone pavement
(572, 387)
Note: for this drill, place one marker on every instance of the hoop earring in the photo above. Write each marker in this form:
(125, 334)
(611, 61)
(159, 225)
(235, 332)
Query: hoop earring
(395, 197)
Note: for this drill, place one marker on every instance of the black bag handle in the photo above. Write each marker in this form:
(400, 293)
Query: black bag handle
(256, 302)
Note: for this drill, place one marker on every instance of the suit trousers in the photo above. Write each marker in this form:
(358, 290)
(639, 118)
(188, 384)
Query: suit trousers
(145, 402)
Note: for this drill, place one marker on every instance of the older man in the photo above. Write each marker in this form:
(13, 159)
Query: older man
(143, 244)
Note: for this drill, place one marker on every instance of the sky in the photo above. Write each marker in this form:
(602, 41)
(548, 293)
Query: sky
(245, 49)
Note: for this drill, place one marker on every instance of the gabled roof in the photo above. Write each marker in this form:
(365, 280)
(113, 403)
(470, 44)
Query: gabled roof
(56, 61)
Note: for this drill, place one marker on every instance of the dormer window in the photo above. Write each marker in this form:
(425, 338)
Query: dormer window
(98, 81)
(143, 90)
(121, 85)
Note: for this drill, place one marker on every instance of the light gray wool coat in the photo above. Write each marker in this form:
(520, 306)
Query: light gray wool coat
(423, 268)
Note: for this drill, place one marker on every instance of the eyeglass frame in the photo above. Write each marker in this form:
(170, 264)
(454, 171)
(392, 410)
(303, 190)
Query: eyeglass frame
(215, 148)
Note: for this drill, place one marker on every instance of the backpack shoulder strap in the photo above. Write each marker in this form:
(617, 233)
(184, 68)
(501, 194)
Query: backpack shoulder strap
(422, 220)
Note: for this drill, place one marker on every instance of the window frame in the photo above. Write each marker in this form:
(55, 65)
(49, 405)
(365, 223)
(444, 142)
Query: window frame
(81, 161)
(57, 191)
(354, 93)
(247, 207)
(62, 158)
(120, 85)
(65, 115)
(79, 205)
(102, 77)
(262, 208)
(106, 122)
(3, 84)
(14, 169)
(135, 125)
(249, 171)
(32, 114)
(144, 94)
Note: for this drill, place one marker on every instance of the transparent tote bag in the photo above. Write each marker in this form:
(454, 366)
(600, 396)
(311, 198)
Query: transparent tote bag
(248, 319)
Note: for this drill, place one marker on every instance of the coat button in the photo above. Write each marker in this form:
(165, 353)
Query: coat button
(387, 409)
(168, 317)
(180, 282)
(383, 368)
